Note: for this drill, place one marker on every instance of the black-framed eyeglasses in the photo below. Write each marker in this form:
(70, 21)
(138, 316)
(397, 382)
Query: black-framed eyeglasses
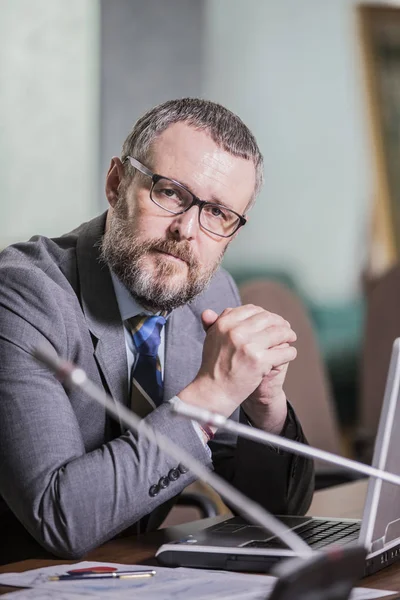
(176, 199)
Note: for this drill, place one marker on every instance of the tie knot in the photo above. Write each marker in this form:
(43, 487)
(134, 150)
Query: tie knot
(146, 333)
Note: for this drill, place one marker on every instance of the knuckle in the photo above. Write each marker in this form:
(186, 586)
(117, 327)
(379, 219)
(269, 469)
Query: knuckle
(254, 308)
(235, 337)
(280, 321)
(276, 332)
(220, 326)
(272, 315)
(265, 316)
(248, 351)
(250, 305)
(253, 352)
(285, 331)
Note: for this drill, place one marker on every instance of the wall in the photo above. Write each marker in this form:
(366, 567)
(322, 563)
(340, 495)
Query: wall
(151, 52)
(74, 77)
(49, 115)
(292, 71)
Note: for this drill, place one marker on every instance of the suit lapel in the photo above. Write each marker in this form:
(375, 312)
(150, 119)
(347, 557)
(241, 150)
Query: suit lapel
(183, 350)
(101, 311)
(184, 331)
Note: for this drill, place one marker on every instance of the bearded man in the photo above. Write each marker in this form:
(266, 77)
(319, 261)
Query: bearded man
(137, 299)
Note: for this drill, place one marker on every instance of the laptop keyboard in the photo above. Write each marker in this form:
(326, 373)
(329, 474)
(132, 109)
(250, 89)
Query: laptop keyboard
(316, 534)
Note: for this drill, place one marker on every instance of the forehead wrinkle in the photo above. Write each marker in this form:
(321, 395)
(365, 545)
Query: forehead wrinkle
(215, 167)
(217, 163)
(199, 176)
(207, 196)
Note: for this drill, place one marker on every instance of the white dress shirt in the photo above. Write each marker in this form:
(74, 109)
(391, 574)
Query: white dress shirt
(128, 308)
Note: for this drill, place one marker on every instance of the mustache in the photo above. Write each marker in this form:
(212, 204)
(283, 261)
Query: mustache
(180, 250)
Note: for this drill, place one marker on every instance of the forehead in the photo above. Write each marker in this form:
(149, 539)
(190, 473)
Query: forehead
(190, 156)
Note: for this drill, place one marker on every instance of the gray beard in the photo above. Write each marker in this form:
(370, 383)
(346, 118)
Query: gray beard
(125, 255)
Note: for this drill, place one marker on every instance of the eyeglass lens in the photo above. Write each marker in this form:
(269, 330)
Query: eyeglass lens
(176, 199)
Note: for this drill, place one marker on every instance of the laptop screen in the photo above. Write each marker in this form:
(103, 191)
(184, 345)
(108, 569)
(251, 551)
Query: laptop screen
(381, 520)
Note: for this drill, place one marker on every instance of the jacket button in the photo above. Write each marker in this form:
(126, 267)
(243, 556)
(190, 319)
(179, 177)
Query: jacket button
(163, 483)
(153, 491)
(182, 468)
(174, 474)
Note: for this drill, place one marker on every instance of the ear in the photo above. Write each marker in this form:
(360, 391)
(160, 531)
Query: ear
(113, 180)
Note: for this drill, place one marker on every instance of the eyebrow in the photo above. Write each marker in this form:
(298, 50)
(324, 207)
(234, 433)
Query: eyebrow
(213, 200)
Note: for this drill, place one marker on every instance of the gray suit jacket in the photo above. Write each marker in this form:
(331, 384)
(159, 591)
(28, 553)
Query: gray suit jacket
(70, 478)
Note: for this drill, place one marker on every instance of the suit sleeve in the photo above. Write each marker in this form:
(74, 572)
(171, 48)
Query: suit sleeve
(281, 482)
(69, 497)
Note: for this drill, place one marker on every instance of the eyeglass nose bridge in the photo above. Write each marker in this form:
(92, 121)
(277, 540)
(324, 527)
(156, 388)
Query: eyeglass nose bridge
(195, 202)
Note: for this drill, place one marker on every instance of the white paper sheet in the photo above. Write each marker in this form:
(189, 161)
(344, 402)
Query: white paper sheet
(37, 594)
(177, 584)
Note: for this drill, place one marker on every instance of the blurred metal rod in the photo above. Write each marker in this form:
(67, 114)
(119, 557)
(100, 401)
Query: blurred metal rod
(252, 433)
(73, 376)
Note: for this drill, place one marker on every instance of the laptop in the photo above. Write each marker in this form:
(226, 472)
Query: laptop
(236, 545)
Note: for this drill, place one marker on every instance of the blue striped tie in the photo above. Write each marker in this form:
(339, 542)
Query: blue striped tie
(147, 384)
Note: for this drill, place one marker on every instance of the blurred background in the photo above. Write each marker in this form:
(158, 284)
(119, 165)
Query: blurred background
(317, 82)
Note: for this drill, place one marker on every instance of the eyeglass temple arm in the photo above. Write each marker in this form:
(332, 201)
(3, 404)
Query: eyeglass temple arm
(137, 165)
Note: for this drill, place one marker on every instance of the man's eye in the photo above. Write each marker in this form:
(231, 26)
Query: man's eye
(169, 192)
(216, 212)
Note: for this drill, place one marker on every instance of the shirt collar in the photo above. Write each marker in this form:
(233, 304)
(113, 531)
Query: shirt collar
(128, 306)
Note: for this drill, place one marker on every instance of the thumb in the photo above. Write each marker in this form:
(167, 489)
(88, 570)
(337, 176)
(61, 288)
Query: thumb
(208, 318)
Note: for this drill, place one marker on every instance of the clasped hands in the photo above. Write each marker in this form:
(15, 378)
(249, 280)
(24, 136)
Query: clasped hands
(246, 354)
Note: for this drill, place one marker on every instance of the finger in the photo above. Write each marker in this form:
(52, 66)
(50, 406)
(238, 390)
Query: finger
(208, 318)
(261, 321)
(246, 311)
(276, 370)
(275, 336)
(249, 319)
(269, 338)
(277, 357)
(232, 316)
(272, 318)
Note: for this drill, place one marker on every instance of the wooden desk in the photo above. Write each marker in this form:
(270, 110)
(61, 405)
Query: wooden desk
(341, 501)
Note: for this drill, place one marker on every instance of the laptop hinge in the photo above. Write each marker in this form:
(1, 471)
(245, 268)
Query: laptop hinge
(392, 533)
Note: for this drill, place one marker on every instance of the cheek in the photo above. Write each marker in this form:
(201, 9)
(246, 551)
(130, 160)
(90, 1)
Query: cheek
(211, 251)
(147, 226)
(135, 212)
(156, 227)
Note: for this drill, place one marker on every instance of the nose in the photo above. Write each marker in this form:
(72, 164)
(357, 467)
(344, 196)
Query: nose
(186, 225)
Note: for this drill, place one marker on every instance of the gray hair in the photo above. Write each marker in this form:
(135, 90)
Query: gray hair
(226, 129)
